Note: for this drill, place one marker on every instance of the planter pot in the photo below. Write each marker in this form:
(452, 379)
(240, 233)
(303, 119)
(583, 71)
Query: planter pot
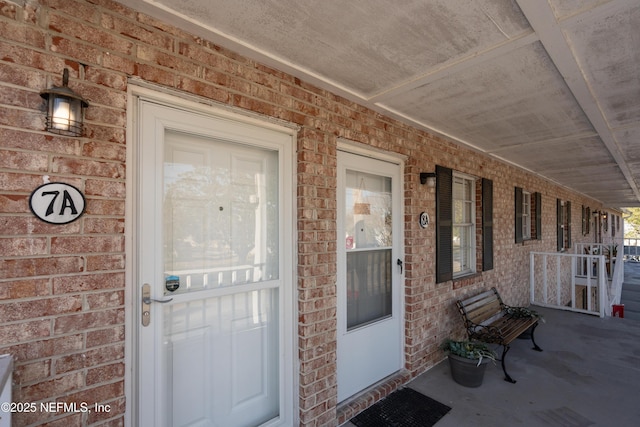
(466, 372)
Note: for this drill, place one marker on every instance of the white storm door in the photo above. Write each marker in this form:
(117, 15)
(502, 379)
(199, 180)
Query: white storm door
(369, 272)
(214, 336)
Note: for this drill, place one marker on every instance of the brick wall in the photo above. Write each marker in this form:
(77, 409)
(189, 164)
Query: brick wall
(62, 309)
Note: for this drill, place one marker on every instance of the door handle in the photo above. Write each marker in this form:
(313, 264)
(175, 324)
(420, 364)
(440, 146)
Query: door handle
(146, 304)
(149, 300)
(400, 264)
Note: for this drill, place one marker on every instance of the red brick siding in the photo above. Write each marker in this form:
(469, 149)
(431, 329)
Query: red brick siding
(62, 287)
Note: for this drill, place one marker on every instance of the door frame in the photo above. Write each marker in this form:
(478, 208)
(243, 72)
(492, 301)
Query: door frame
(136, 92)
(398, 160)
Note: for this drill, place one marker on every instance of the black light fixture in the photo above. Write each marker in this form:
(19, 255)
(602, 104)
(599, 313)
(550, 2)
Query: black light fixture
(428, 178)
(64, 108)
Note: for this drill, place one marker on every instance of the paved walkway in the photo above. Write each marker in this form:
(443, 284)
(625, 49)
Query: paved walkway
(587, 375)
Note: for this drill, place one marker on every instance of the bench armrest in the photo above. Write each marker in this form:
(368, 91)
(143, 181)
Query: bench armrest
(486, 333)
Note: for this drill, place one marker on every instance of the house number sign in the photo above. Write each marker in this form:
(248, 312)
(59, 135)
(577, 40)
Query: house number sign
(424, 219)
(57, 203)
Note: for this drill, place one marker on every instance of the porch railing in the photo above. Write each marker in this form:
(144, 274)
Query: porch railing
(614, 265)
(555, 282)
(588, 281)
(609, 251)
(617, 278)
(200, 279)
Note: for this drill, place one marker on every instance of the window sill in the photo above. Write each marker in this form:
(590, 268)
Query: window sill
(466, 280)
(531, 241)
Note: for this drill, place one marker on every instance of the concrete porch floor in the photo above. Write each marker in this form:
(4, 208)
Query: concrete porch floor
(587, 375)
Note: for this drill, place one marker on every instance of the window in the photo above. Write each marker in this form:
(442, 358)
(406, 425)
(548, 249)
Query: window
(462, 246)
(464, 227)
(563, 214)
(528, 208)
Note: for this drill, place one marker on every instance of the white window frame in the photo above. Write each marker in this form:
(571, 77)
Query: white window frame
(468, 253)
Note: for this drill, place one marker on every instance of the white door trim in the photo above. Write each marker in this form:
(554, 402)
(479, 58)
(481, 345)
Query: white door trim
(137, 92)
(397, 161)
(375, 153)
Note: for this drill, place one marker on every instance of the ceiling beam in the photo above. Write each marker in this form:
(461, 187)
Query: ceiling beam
(473, 59)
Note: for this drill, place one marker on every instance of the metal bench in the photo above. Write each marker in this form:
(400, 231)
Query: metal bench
(490, 320)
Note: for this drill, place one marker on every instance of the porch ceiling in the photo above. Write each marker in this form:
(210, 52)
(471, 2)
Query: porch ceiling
(551, 86)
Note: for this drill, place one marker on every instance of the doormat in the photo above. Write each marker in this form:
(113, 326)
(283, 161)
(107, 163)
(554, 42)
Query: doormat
(403, 408)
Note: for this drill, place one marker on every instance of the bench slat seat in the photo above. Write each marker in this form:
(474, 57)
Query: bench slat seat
(488, 319)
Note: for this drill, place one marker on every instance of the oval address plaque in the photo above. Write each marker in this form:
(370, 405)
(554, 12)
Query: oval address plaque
(57, 203)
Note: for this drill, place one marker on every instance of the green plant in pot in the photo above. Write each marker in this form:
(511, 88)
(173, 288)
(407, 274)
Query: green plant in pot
(468, 361)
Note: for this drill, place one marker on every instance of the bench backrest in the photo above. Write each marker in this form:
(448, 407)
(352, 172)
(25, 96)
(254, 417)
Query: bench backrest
(482, 307)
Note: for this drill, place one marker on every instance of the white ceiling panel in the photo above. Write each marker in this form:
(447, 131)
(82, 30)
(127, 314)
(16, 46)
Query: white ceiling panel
(517, 98)
(552, 86)
(604, 46)
(629, 140)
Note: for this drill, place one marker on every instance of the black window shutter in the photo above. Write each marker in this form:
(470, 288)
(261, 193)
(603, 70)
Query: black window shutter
(568, 226)
(487, 224)
(538, 198)
(518, 214)
(444, 224)
(588, 220)
(559, 224)
(613, 226)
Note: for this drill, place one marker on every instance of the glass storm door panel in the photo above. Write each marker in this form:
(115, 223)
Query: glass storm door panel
(369, 275)
(369, 242)
(211, 220)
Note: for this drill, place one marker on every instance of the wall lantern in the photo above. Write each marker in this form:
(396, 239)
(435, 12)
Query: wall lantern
(428, 178)
(64, 108)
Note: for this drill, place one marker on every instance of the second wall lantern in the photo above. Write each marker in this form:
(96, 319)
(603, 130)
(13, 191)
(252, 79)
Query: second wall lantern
(428, 178)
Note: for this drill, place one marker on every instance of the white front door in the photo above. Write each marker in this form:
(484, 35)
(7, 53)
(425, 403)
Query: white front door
(369, 271)
(213, 248)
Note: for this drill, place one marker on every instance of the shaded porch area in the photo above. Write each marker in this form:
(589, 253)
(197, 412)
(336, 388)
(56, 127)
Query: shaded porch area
(587, 375)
